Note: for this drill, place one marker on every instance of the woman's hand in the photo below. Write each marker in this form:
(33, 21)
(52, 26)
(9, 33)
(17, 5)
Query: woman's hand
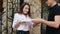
(22, 22)
(36, 22)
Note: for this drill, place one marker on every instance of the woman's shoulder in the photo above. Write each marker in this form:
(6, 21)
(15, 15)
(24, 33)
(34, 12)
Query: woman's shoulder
(17, 14)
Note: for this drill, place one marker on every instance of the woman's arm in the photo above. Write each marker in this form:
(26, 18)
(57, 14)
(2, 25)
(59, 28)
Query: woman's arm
(19, 23)
(16, 21)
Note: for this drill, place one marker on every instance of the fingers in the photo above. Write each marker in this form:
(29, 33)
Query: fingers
(38, 20)
(35, 20)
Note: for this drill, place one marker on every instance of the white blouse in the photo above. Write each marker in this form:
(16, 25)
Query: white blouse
(21, 17)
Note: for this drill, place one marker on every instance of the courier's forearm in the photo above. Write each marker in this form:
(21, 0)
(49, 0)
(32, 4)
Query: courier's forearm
(50, 23)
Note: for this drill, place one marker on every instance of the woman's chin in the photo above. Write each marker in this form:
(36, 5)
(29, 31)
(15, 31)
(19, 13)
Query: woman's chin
(25, 14)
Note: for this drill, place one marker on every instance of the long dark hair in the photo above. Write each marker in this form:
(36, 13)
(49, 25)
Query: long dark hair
(21, 8)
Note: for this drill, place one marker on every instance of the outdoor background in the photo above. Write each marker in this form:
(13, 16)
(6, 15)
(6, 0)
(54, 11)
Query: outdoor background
(38, 9)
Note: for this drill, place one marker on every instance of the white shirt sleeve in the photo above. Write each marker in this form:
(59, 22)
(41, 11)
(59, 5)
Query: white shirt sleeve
(15, 20)
(31, 24)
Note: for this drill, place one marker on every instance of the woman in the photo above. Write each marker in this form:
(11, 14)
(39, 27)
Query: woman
(22, 21)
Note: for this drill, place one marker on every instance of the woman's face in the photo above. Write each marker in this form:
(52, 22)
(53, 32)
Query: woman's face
(25, 9)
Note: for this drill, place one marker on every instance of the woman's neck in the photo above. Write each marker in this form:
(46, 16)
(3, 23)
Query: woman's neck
(25, 15)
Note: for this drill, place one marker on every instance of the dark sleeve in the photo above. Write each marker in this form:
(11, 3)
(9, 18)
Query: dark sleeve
(57, 11)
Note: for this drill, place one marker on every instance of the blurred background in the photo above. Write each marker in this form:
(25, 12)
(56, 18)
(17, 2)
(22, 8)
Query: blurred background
(9, 7)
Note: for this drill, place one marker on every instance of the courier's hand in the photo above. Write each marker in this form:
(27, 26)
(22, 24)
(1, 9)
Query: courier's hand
(37, 20)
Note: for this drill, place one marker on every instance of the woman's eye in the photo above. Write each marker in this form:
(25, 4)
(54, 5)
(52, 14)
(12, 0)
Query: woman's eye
(26, 8)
